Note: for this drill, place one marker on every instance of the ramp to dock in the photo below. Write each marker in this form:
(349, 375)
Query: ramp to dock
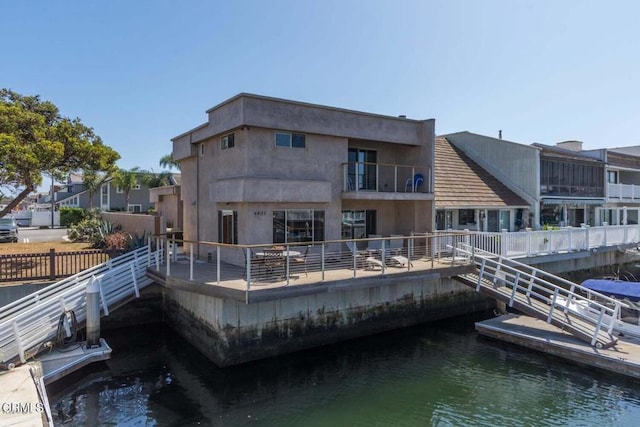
(543, 296)
(30, 322)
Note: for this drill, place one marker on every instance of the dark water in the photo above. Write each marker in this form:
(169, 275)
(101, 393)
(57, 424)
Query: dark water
(437, 374)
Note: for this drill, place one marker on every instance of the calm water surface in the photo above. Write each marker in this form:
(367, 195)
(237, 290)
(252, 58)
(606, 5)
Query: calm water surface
(437, 374)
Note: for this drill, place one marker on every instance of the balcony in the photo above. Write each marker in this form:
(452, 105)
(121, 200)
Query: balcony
(377, 181)
(623, 192)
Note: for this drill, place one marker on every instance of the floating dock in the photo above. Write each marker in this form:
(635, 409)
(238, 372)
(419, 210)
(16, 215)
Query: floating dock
(23, 398)
(623, 358)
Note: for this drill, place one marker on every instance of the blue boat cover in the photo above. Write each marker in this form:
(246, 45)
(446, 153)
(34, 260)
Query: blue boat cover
(614, 288)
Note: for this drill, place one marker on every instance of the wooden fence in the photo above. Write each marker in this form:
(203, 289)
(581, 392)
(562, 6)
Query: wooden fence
(48, 266)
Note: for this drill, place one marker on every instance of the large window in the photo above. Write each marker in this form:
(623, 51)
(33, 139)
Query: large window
(358, 224)
(291, 140)
(228, 227)
(562, 178)
(362, 169)
(298, 225)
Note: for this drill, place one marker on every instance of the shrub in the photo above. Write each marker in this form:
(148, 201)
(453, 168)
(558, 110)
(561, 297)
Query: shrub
(70, 216)
(93, 230)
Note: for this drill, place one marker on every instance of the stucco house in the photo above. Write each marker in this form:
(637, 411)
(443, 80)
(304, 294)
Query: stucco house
(266, 170)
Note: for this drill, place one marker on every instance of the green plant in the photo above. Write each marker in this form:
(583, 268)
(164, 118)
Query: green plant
(137, 241)
(71, 215)
(93, 230)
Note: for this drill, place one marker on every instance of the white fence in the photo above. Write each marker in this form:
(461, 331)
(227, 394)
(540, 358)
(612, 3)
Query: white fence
(26, 324)
(566, 239)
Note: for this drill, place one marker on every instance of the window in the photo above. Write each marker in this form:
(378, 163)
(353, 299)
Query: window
(358, 224)
(466, 216)
(362, 169)
(201, 150)
(228, 227)
(119, 189)
(135, 208)
(288, 139)
(227, 141)
(612, 177)
(298, 225)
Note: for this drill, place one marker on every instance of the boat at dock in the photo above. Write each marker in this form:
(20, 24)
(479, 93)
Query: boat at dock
(627, 321)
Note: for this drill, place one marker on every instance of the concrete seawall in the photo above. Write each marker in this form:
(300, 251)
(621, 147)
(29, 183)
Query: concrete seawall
(230, 332)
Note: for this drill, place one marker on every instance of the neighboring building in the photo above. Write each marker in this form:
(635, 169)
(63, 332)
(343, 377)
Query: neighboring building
(571, 184)
(109, 197)
(515, 166)
(265, 170)
(468, 197)
(168, 203)
(563, 185)
(622, 189)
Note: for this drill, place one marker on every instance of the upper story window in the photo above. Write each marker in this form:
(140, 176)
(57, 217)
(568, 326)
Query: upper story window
(612, 177)
(121, 190)
(288, 139)
(227, 141)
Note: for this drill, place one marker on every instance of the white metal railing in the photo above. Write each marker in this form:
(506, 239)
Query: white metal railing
(621, 191)
(291, 261)
(379, 177)
(26, 324)
(565, 239)
(555, 293)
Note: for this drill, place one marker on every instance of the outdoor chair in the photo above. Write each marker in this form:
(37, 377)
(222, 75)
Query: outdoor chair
(362, 258)
(256, 262)
(273, 260)
(396, 246)
(412, 184)
(302, 260)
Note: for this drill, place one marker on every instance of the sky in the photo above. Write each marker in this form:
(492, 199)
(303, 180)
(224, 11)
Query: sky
(142, 72)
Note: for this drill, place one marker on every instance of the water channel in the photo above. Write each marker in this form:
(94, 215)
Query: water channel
(440, 374)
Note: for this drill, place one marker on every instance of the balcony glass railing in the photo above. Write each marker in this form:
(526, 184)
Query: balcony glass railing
(378, 177)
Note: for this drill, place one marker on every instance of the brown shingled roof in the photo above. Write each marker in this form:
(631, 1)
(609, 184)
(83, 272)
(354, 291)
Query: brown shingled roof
(462, 183)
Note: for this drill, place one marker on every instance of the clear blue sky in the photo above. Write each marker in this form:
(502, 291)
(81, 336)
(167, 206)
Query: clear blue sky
(141, 72)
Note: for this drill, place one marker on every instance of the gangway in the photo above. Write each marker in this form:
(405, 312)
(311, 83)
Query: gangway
(543, 295)
(30, 322)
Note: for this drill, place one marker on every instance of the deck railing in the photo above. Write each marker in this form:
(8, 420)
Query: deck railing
(622, 192)
(565, 239)
(26, 324)
(386, 178)
(282, 263)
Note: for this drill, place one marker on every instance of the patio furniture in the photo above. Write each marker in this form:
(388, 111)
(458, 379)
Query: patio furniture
(413, 183)
(363, 258)
(273, 260)
(302, 260)
(396, 246)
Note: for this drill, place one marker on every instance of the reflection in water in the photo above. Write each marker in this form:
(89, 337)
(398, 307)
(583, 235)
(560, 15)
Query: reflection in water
(435, 374)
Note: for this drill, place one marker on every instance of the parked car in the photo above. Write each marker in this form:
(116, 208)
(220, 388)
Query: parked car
(8, 230)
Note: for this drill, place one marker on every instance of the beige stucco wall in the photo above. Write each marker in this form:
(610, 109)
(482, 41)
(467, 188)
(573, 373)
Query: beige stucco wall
(255, 177)
(135, 224)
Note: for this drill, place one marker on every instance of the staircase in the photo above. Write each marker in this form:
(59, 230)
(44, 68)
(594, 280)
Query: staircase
(28, 323)
(544, 296)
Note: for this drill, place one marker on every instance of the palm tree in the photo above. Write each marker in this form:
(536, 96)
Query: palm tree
(92, 181)
(126, 180)
(167, 161)
(152, 179)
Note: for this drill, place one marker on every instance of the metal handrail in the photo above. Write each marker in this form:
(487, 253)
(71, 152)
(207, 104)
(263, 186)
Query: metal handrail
(26, 324)
(494, 269)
